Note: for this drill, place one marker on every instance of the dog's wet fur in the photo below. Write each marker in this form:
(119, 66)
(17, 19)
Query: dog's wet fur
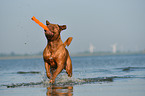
(55, 55)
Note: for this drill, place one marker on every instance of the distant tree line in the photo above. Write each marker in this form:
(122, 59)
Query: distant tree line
(14, 54)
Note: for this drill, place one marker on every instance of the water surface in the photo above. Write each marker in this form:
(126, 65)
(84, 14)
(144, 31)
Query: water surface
(115, 75)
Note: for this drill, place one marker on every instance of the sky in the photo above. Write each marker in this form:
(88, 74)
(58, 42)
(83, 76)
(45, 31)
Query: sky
(100, 23)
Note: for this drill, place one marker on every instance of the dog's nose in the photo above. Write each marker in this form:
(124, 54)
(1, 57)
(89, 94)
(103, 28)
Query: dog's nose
(49, 34)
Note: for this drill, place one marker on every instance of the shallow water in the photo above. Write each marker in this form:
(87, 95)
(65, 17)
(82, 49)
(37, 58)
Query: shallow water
(93, 75)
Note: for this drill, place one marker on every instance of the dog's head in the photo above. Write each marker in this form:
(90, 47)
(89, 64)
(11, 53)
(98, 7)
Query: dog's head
(54, 30)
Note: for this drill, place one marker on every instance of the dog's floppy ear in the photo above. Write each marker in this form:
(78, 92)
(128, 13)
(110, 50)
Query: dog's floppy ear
(63, 27)
(47, 22)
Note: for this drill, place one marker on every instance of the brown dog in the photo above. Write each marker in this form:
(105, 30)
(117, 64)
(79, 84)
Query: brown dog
(55, 55)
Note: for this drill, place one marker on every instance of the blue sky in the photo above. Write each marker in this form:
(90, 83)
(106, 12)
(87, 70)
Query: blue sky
(98, 22)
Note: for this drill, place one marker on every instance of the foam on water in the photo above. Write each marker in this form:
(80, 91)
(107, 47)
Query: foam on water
(131, 68)
(64, 80)
(29, 72)
(22, 84)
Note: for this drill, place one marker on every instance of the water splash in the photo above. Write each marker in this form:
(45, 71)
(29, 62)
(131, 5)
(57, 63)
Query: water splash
(64, 80)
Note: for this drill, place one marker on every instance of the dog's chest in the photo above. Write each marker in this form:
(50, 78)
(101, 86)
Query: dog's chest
(50, 59)
(52, 62)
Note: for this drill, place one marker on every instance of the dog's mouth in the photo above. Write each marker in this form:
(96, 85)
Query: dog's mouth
(49, 34)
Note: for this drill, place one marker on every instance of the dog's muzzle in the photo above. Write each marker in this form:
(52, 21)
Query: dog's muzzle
(49, 34)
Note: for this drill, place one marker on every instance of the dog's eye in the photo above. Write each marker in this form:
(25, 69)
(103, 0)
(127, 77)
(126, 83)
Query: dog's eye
(51, 28)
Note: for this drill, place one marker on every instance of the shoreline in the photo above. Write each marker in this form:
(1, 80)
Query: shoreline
(20, 57)
(72, 55)
(105, 54)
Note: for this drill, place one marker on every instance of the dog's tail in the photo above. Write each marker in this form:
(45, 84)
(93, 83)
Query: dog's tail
(68, 41)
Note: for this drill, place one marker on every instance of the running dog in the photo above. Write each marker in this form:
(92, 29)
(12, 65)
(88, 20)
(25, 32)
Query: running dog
(55, 55)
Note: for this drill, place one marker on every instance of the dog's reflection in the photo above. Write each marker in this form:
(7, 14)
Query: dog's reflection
(59, 91)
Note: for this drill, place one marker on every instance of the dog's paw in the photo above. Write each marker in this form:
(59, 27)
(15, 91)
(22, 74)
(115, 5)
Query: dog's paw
(69, 75)
(51, 81)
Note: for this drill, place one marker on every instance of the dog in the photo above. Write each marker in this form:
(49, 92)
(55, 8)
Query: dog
(56, 56)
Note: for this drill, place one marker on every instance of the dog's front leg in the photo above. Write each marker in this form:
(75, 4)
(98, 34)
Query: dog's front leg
(47, 67)
(60, 67)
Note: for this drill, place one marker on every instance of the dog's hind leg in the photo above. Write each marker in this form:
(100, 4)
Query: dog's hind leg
(69, 67)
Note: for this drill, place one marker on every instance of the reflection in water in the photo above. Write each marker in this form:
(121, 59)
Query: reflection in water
(60, 91)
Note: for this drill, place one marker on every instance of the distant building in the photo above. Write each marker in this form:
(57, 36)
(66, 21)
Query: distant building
(114, 48)
(91, 48)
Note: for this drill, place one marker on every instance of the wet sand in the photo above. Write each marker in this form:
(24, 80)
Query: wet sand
(123, 88)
